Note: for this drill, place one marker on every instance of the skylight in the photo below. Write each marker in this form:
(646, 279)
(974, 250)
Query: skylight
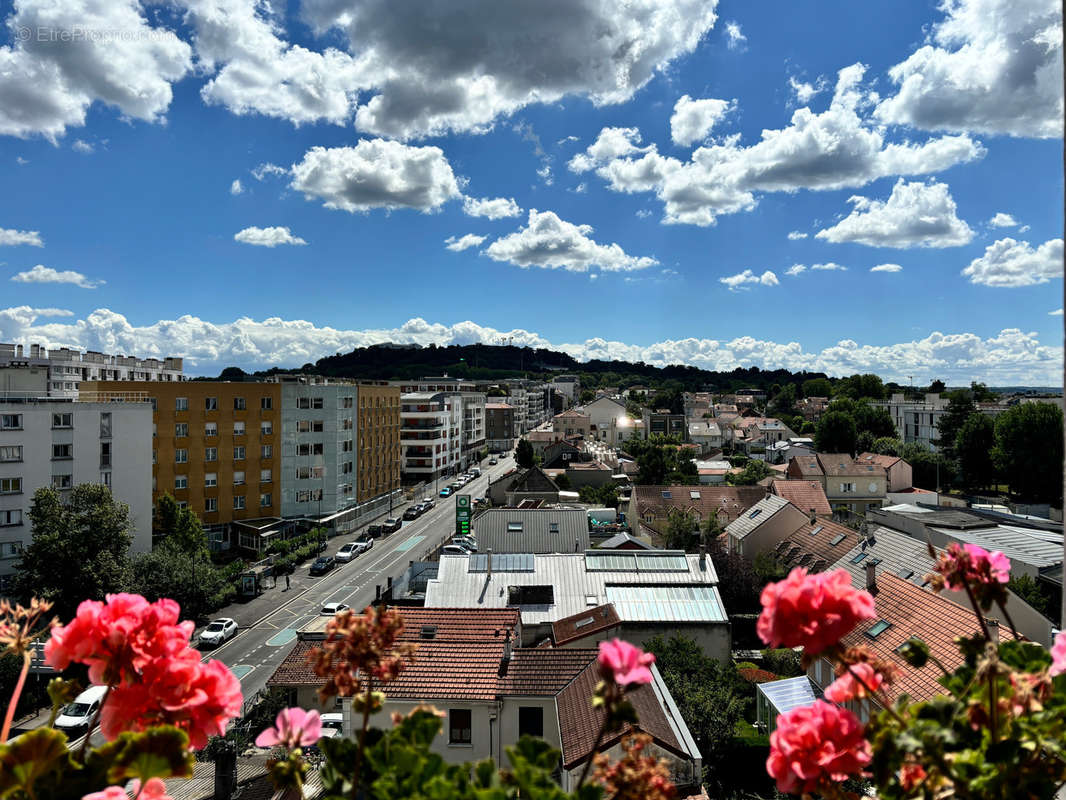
(553, 527)
(694, 495)
(905, 573)
(859, 557)
(514, 527)
(878, 628)
(836, 539)
(666, 494)
(817, 530)
(755, 513)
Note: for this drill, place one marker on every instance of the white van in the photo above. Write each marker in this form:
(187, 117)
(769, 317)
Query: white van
(74, 719)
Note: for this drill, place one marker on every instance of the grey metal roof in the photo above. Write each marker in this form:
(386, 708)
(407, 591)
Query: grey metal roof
(574, 588)
(788, 693)
(902, 555)
(755, 516)
(667, 603)
(543, 530)
(1037, 548)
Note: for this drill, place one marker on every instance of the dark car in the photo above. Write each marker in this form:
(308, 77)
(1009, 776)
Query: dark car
(373, 531)
(323, 564)
(412, 513)
(391, 524)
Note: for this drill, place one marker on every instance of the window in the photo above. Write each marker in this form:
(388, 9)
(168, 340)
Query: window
(303, 426)
(11, 453)
(238, 502)
(210, 429)
(10, 549)
(266, 451)
(239, 404)
(837, 539)
(181, 456)
(755, 513)
(181, 403)
(62, 451)
(238, 429)
(210, 479)
(878, 628)
(346, 446)
(266, 403)
(309, 402)
(211, 404)
(553, 527)
(105, 479)
(847, 488)
(858, 557)
(62, 420)
(266, 428)
(181, 504)
(264, 500)
(303, 496)
(238, 454)
(303, 473)
(265, 476)
(105, 425)
(10, 422)
(238, 478)
(181, 481)
(105, 454)
(211, 504)
(12, 517)
(514, 527)
(317, 426)
(530, 721)
(10, 485)
(62, 481)
(210, 454)
(346, 424)
(181, 429)
(347, 402)
(459, 726)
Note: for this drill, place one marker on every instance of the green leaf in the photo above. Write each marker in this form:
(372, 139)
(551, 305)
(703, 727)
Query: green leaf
(159, 752)
(29, 757)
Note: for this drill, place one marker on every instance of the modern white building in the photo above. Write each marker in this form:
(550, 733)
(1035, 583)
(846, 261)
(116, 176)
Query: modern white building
(63, 443)
(430, 434)
(66, 368)
(916, 420)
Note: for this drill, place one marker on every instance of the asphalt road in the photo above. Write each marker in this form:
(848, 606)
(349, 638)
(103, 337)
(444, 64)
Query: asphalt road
(255, 652)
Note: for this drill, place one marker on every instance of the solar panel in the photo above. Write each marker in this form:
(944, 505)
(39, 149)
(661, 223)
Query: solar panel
(666, 603)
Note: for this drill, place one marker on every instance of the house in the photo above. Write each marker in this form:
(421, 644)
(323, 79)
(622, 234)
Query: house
(818, 545)
(706, 434)
(560, 454)
(783, 451)
(650, 506)
(763, 526)
(607, 415)
(897, 471)
(712, 472)
(541, 439)
(652, 591)
(589, 473)
(850, 486)
(491, 692)
(807, 496)
(572, 423)
(806, 468)
(664, 423)
(812, 408)
(538, 530)
(514, 487)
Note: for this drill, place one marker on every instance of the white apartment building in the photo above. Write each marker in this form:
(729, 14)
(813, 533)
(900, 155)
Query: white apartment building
(569, 386)
(66, 367)
(916, 420)
(473, 431)
(431, 426)
(64, 443)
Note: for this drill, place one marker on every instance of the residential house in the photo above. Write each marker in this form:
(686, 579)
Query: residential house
(523, 485)
(499, 427)
(569, 386)
(560, 454)
(653, 591)
(817, 545)
(539, 530)
(664, 423)
(812, 408)
(589, 473)
(806, 468)
(541, 439)
(467, 665)
(712, 472)
(808, 496)
(781, 452)
(763, 526)
(897, 471)
(706, 434)
(852, 487)
(572, 423)
(650, 506)
(608, 420)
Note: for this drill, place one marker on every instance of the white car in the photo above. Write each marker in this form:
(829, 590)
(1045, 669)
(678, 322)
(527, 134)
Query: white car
(219, 632)
(332, 609)
(362, 544)
(75, 717)
(347, 552)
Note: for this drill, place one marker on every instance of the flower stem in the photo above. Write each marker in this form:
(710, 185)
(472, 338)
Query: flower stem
(15, 695)
(357, 778)
(1006, 614)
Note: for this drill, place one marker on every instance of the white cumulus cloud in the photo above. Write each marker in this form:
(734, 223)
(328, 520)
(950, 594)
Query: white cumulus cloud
(493, 208)
(236, 188)
(10, 238)
(43, 274)
(915, 215)
(550, 242)
(1056, 313)
(742, 280)
(887, 268)
(990, 66)
(734, 35)
(267, 237)
(1002, 220)
(795, 235)
(692, 119)
(463, 242)
(1010, 263)
(805, 92)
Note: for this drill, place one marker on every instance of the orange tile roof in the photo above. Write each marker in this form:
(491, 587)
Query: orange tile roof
(804, 495)
(595, 620)
(805, 465)
(458, 624)
(878, 459)
(811, 546)
(543, 670)
(727, 501)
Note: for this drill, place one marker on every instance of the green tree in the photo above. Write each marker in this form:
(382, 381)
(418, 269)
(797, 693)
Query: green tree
(753, 472)
(929, 470)
(682, 531)
(887, 446)
(180, 529)
(194, 582)
(1028, 451)
(861, 386)
(817, 387)
(523, 454)
(1035, 594)
(587, 396)
(605, 496)
(960, 408)
(784, 402)
(973, 447)
(936, 387)
(864, 442)
(563, 482)
(79, 550)
(981, 392)
(652, 467)
(835, 433)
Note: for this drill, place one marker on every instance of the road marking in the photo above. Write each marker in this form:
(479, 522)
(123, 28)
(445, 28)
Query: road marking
(403, 548)
(241, 670)
(283, 637)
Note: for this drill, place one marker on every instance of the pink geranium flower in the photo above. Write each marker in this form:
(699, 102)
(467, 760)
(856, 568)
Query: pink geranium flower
(154, 789)
(624, 663)
(814, 611)
(1058, 655)
(970, 565)
(814, 745)
(848, 686)
(293, 728)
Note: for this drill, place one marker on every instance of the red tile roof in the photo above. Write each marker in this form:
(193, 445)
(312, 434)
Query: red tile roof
(458, 624)
(729, 502)
(544, 671)
(877, 459)
(811, 546)
(804, 495)
(580, 722)
(585, 623)
(805, 465)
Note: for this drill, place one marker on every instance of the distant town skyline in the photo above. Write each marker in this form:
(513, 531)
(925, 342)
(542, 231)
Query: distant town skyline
(874, 189)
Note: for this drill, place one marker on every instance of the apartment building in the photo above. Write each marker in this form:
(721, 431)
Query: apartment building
(664, 423)
(63, 443)
(499, 427)
(569, 386)
(430, 434)
(471, 401)
(67, 368)
(916, 420)
(377, 426)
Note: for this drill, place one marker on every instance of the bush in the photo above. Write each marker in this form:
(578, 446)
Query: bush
(747, 665)
(784, 663)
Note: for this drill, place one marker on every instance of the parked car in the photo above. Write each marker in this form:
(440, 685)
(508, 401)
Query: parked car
(347, 553)
(468, 542)
(454, 550)
(412, 512)
(219, 631)
(323, 564)
(75, 717)
(332, 609)
(447, 490)
(362, 544)
(475, 471)
(332, 721)
(391, 525)
(456, 486)
(493, 461)
(428, 502)
(373, 531)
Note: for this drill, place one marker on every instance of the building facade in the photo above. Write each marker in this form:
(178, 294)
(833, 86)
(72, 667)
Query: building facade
(67, 368)
(916, 420)
(430, 426)
(63, 443)
(499, 427)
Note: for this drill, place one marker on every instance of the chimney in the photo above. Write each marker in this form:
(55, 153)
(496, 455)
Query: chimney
(871, 578)
(505, 662)
(814, 517)
(577, 545)
(488, 562)
(993, 630)
(703, 557)
(225, 771)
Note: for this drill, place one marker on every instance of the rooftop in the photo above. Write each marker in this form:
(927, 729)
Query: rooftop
(584, 623)
(541, 530)
(756, 516)
(804, 495)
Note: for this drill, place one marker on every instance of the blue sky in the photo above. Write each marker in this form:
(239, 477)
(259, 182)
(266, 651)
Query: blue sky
(238, 186)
